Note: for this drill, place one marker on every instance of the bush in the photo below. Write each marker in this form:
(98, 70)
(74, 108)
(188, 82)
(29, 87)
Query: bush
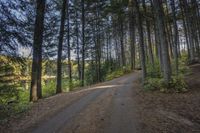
(154, 71)
(177, 84)
(155, 79)
(153, 84)
(49, 87)
(75, 84)
(15, 106)
(9, 92)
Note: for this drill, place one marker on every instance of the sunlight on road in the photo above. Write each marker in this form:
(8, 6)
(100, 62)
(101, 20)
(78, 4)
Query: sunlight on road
(106, 86)
(98, 87)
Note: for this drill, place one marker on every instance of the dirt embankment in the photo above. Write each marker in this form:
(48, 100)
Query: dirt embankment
(171, 113)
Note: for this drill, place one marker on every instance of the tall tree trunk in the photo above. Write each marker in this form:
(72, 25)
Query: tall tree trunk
(197, 13)
(132, 33)
(117, 53)
(36, 90)
(83, 42)
(185, 8)
(68, 44)
(77, 44)
(185, 30)
(170, 40)
(98, 46)
(107, 47)
(141, 40)
(39, 78)
(157, 38)
(195, 25)
(60, 48)
(148, 35)
(165, 51)
(122, 40)
(176, 36)
(169, 33)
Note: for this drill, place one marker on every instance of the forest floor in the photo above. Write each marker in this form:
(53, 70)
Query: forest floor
(117, 106)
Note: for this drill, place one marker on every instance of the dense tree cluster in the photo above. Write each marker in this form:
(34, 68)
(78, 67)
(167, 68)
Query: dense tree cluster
(101, 36)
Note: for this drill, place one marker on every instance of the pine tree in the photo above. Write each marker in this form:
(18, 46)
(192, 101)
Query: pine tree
(35, 91)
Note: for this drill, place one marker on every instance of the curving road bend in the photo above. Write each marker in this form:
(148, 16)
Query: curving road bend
(107, 108)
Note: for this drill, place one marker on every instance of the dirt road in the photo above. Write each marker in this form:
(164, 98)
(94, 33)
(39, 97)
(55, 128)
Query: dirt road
(117, 106)
(107, 108)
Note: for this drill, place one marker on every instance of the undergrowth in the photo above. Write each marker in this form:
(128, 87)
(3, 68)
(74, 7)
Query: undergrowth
(177, 83)
(117, 73)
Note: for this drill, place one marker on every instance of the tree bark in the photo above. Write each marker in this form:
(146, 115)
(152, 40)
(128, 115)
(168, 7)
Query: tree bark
(185, 30)
(162, 34)
(132, 33)
(141, 41)
(36, 90)
(83, 42)
(148, 35)
(77, 43)
(60, 48)
(68, 44)
(122, 40)
(176, 36)
(185, 8)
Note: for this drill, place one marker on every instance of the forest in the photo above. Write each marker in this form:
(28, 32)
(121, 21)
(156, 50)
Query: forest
(52, 46)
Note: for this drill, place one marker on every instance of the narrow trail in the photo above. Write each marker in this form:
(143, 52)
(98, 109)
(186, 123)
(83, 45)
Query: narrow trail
(107, 108)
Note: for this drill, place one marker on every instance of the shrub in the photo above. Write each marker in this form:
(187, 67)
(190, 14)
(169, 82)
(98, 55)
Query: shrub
(76, 83)
(14, 105)
(177, 84)
(154, 71)
(153, 84)
(49, 87)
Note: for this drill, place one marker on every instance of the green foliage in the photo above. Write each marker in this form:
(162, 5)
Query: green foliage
(90, 74)
(182, 65)
(15, 81)
(70, 86)
(109, 71)
(154, 71)
(177, 84)
(8, 90)
(155, 79)
(117, 73)
(153, 84)
(48, 87)
(114, 74)
(13, 109)
(183, 61)
(13, 100)
(75, 84)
